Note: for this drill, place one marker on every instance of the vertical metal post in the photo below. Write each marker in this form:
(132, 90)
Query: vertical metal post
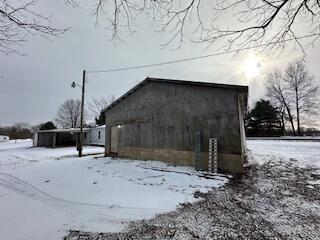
(197, 151)
(81, 116)
(213, 155)
(54, 140)
(210, 155)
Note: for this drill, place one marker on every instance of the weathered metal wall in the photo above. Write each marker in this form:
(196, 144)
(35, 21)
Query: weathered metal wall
(45, 139)
(163, 116)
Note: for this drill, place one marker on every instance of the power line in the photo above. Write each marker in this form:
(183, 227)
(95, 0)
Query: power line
(198, 57)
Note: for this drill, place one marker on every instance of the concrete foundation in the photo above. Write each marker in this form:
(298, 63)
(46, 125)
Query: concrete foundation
(226, 162)
(174, 157)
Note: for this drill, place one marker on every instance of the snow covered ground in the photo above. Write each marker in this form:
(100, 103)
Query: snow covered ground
(45, 192)
(302, 153)
(19, 153)
(277, 198)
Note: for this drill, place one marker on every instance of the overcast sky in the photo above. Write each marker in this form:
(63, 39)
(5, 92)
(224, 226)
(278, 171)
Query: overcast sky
(34, 86)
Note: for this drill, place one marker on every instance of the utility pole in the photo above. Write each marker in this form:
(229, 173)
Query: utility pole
(74, 85)
(81, 116)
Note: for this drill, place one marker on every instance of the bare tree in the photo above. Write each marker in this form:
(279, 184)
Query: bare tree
(278, 94)
(294, 91)
(252, 23)
(283, 117)
(304, 91)
(96, 105)
(68, 115)
(18, 19)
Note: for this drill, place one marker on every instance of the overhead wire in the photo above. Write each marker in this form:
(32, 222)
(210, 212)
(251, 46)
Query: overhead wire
(198, 57)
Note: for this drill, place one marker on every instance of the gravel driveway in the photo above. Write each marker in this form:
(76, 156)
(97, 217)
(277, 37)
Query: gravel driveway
(276, 200)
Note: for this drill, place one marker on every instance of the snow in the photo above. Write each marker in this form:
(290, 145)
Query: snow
(302, 153)
(25, 143)
(45, 192)
(26, 218)
(19, 153)
(293, 138)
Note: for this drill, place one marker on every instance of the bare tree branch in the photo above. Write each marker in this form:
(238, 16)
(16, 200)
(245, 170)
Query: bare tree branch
(250, 23)
(231, 24)
(18, 19)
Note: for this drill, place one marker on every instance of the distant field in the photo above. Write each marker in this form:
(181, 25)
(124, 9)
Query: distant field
(292, 138)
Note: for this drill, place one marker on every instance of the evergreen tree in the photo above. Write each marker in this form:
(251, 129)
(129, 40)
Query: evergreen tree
(264, 120)
(101, 119)
(47, 126)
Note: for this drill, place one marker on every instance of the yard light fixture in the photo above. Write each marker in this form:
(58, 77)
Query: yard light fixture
(119, 126)
(74, 85)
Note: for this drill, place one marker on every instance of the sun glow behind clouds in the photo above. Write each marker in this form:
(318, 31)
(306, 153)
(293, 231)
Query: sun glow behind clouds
(251, 67)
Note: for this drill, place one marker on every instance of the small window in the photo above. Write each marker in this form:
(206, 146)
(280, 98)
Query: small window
(85, 135)
(99, 134)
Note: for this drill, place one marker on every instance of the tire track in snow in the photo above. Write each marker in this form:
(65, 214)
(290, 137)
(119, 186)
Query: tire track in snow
(72, 207)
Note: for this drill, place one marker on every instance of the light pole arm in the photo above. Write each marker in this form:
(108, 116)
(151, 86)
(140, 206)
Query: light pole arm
(74, 85)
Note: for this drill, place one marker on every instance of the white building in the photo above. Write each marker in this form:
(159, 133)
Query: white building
(4, 138)
(96, 136)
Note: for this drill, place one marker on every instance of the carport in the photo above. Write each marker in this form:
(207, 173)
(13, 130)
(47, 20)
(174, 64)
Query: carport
(59, 137)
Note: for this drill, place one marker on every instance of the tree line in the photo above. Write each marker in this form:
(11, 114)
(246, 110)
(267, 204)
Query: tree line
(17, 131)
(68, 116)
(292, 102)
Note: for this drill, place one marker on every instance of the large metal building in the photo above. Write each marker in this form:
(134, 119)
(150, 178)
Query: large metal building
(173, 120)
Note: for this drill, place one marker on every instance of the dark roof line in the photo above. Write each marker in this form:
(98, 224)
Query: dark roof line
(241, 88)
